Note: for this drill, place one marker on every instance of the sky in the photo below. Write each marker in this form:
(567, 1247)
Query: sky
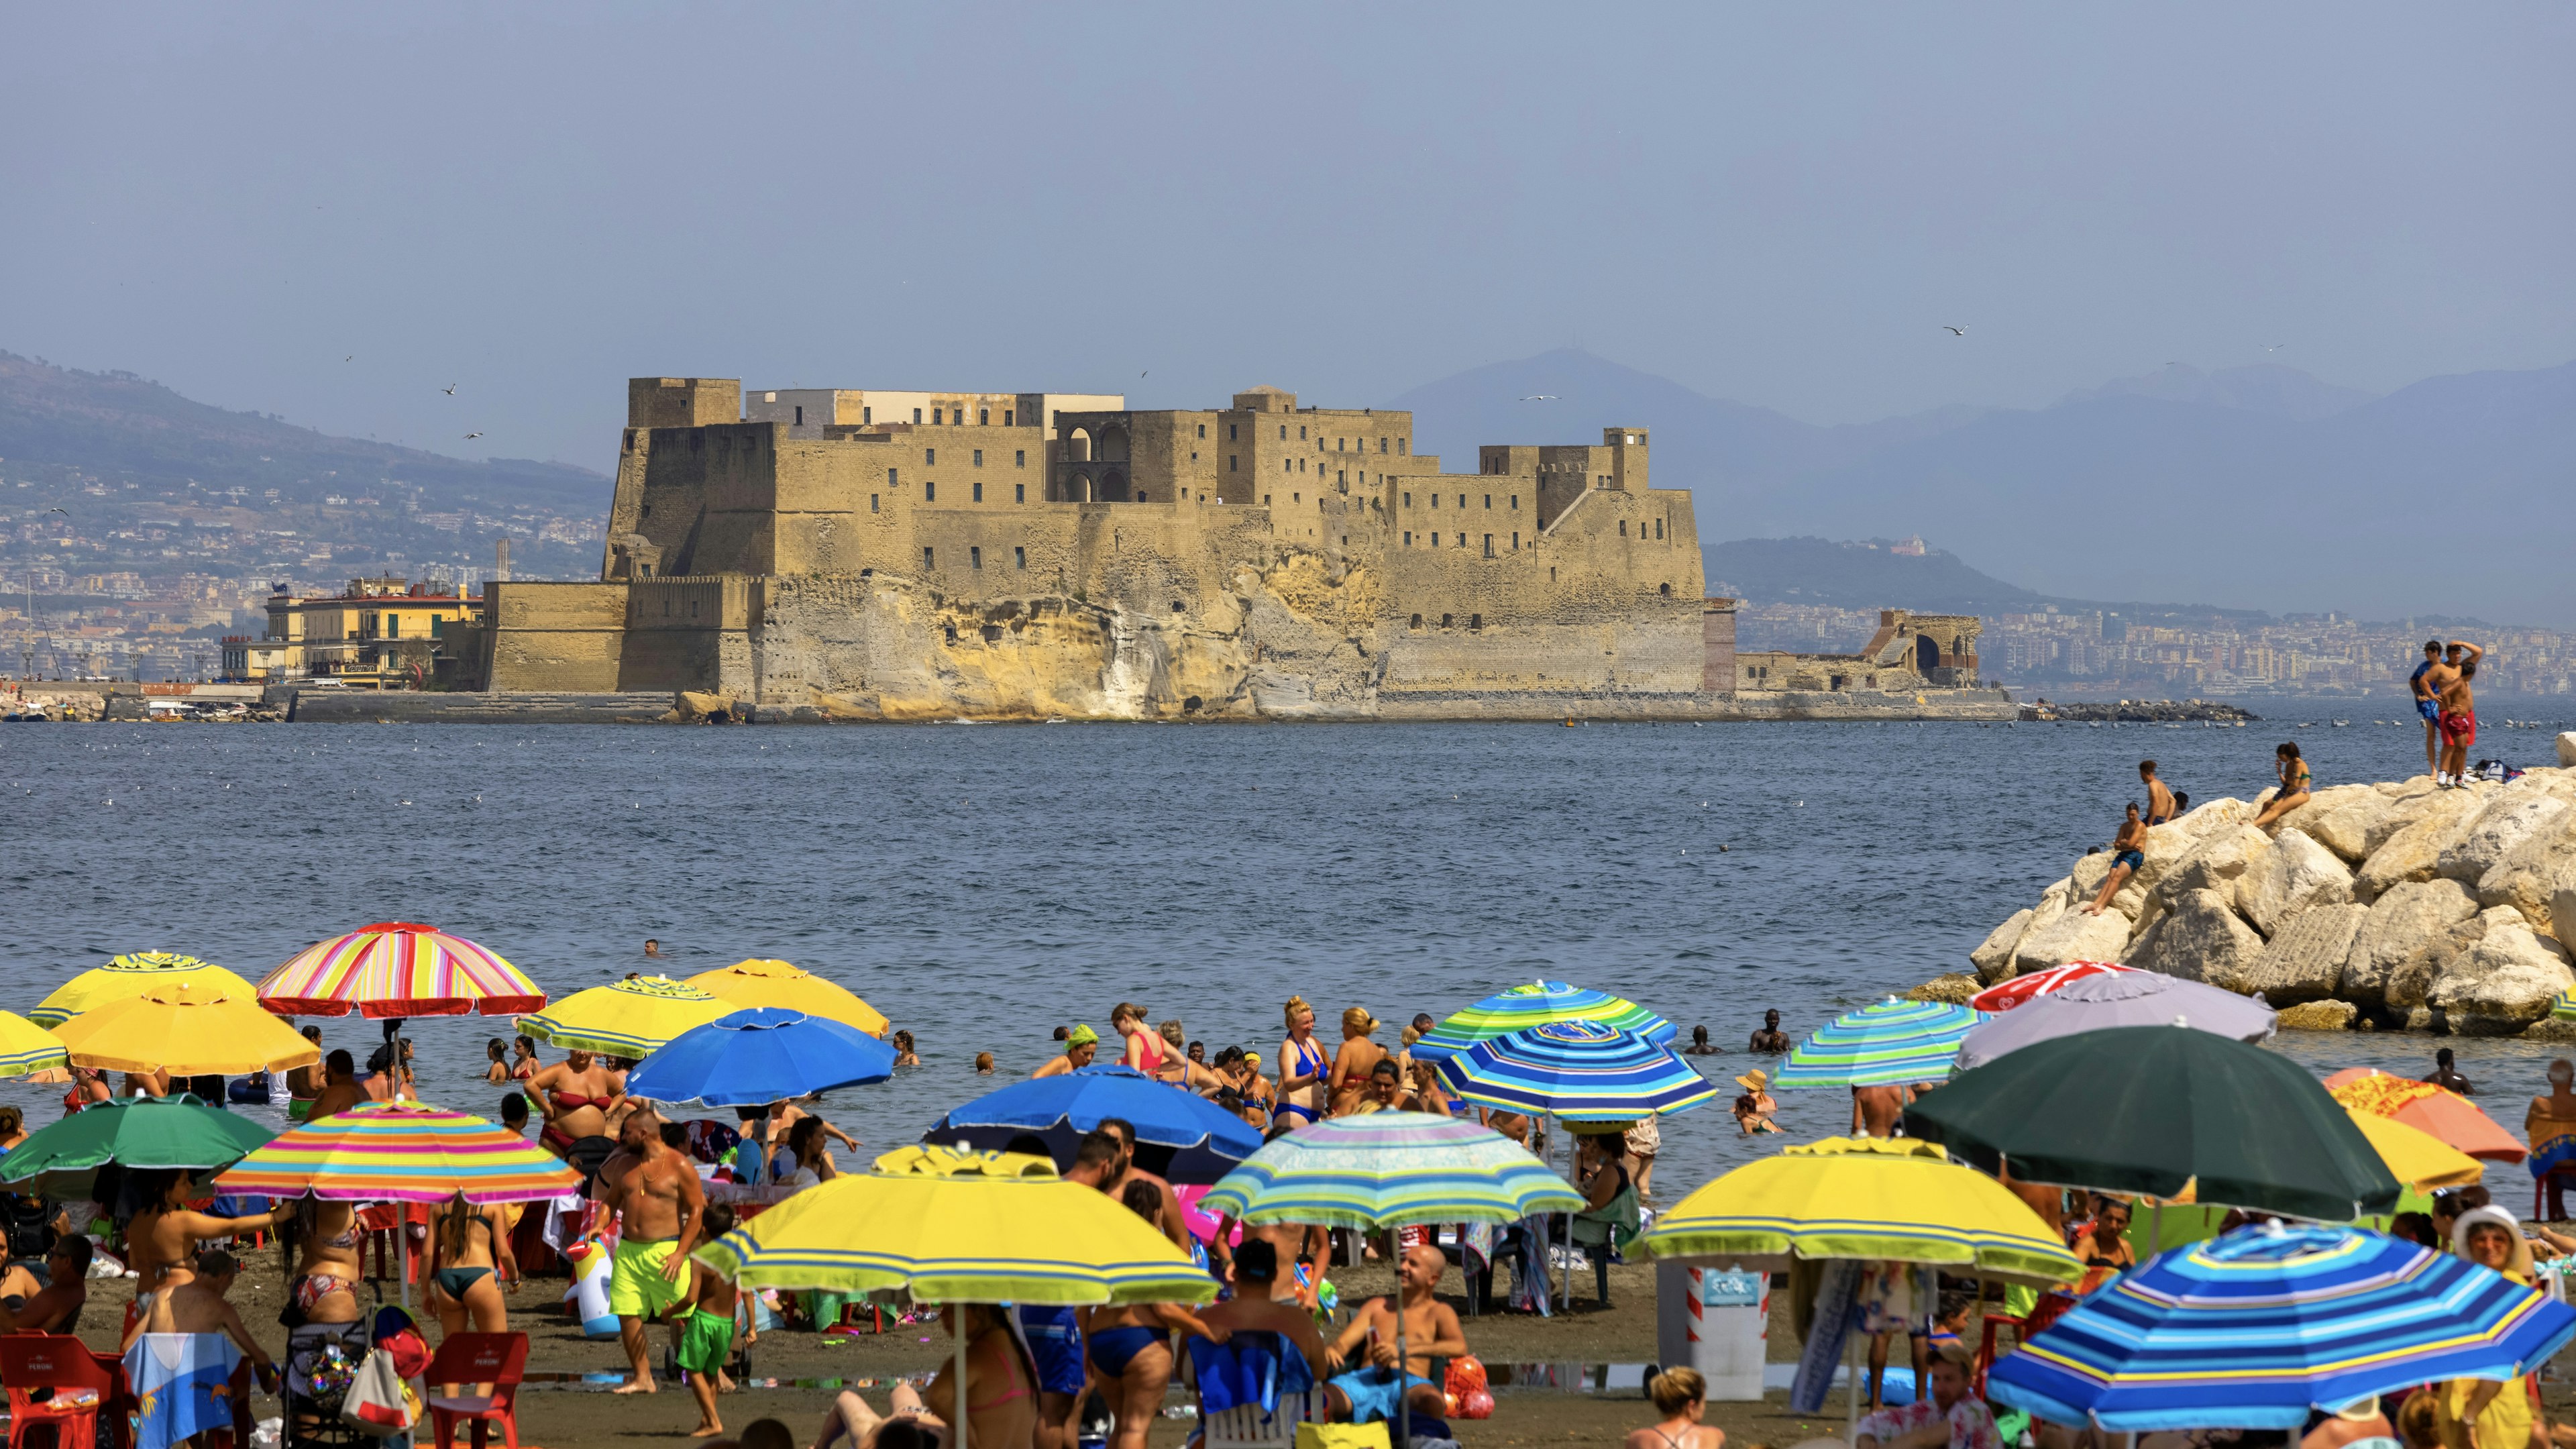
(335, 212)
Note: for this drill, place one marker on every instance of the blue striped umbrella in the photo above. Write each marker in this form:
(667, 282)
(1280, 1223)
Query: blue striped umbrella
(1886, 1044)
(1536, 1004)
(1583, 1071)
(1390, 1169)
(2250, 1330)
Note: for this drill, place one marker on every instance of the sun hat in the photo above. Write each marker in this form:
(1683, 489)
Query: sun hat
(1754, 1080)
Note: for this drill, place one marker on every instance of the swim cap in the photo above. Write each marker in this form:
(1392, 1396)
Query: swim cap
(1082, 1036)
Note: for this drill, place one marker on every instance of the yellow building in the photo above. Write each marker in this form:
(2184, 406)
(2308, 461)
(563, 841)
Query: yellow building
(379, 634)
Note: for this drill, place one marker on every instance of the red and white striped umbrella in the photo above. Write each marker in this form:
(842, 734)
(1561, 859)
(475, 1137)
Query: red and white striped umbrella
(2005, 995)
(399, 969)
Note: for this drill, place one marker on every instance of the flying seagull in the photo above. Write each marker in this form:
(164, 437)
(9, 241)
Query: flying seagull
(1540, 397)
(1954, 331)
(451, 389)
(470, 437)
(352, 357)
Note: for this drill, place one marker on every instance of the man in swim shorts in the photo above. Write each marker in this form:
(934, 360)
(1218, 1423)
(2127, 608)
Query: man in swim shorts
(660, 1208)
(2426, 682)
(2160, 801)
(2459, 719)
(1376, 1384)
(2127, 858)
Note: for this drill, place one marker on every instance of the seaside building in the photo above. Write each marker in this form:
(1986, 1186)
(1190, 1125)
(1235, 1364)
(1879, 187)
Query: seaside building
(376, 633)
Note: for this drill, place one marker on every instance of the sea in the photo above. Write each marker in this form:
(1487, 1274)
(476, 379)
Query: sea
(983, 884)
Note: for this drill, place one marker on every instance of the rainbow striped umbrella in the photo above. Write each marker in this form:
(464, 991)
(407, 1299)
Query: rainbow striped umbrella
(1390, 1169)
(1583, 1071)
(1537, 1004)
(1886, 1044)
(398, 969)
(2252, 1329)
(632, 1018)
(129, 976)
(400, 1152)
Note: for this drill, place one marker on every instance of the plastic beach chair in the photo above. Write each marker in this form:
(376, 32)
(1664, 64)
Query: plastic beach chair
(84, 1388)
(498, 1359)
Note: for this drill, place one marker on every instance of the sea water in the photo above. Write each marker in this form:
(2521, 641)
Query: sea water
(983, 885)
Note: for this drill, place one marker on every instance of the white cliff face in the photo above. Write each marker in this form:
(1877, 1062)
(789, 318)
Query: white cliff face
(2389, 904)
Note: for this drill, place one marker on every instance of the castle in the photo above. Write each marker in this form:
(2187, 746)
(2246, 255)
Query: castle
(836, 553)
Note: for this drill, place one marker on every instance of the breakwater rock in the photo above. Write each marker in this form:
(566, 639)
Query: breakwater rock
(2390, 906)
(2138, 711)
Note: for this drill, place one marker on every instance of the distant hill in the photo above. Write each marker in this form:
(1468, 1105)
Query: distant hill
(121, 425)
(1869, 574)
(2256, 488)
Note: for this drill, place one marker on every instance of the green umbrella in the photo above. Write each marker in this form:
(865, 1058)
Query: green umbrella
(2149, 1108)
(178, 1131)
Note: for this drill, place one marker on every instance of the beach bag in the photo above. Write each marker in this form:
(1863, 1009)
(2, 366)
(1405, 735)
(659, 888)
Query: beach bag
(378, 1401)
(1344, 1436)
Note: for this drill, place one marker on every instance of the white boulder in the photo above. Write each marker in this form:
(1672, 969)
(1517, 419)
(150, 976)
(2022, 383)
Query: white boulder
(1993, 957)
(2295, 874)
(2397, 936)
(2502, 983)
(2199, 939)
(2513, 814)
(2215, 862)
(2567, 749)
(2414, 850)
(2076, 935)
(2531, 874)
(2305, 958)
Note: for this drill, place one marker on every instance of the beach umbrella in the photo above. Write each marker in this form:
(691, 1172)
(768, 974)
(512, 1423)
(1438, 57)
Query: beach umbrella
(190, 1026)
(2131, 998)
(746, 1058)
(1885, 1044)
(1536, 1004)
(782, 984)
(2005, 995)
(2253, 1329)
(2563, 1006)
(1388, 1170)
(2418, 1159)
(26, 1047)
(2147, 1109)
(398, 969)
(177, 1131)
(129, 976)
(1581, 1071)
(1180, 1136)
(960, 1227)
(2427, 1108)
(631, 1018)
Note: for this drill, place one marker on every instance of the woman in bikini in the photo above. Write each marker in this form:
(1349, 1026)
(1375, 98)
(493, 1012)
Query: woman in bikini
(1681, 1396)
(523, 1059)
(468, 1264)
(2293, 793)
(1001, 1391)
(1130, 1346)
(1358, 1057)
(1302, 1069)
(323, 1296)
(1145, 1050)
(89, 1085)
(575, 1094)
(161, 1239)
(499, 1051)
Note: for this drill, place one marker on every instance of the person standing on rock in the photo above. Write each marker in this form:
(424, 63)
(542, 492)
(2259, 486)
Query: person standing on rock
(2459, 714)
(2427, 681)
(2162, 805)
(2294, 785)
(2129, 848)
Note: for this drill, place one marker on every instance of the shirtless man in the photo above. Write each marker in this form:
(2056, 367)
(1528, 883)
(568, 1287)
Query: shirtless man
(1770, 1038)
(199, 1306)
(1369, 1390)
(1080, 1046)
(1128, 1172)
(340, 1087)
(2427, 682)
(2459, 713)
(660, 1206)
(2160, 801)
(1879, 1111)
(56, 1306)
(2127, 858)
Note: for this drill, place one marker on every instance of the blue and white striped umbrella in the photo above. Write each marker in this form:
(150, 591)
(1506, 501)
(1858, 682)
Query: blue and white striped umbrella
(2251, 1330)
(1537, 1003)
(1583, 1071)
(1885, 1044)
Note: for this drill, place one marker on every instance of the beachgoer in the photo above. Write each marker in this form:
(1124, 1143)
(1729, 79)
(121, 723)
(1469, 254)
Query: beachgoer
(1949, 1415)
(1681, 1396)
(2459, 714)
(1303, 1068)
(2293, 791)
(2160, 801)
(1609, 1214)
(1261, 1305)
(2446, 1075)
(1700, 1046)
(162, 1238)
(2358, 1423)
(327, 1238)
(785, 1115)
(2128, 858)
(2104, 1248)
(1053, 1332)
(2182, 804)
(906, 1056)
(199, 1306)
(89, 1085)
(1754, 1107)
(983, 1064)
(661, 1209)
(154, 1083)
(1384, 1091)
(1129, 1346)
(1352, 1064)
(1175, 1223)
(2450, 1204)
(652, 951)
(1190, 1073)
(1897, 1299)
(499, 1051)
(1064, 1033)
(13, 1128)
(1373, 1383)
(1644, 1139)
(514, 1113)
(575, 1095)
(812, 1155)
(304, 1083)
(1001, 1394)
(1144, 1050)
(523, 1058)
(1879, 1111)
(469, 1265)
(2550, 1125)
(705, 1320)
(1429, 1095)
(1080, 1046)
(53, 1306)
(2488, 1413)
(1770, 1039)
(2427, 682)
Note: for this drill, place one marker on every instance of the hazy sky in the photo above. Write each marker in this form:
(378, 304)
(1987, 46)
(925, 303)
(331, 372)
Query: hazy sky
(1779, 205)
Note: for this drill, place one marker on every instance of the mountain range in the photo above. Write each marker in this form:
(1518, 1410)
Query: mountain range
(2256, 488)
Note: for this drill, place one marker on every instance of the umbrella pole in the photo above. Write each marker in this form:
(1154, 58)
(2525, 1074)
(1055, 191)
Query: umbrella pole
(1404, 1364)
(402, 1255)
(1851, 1393)
(957, 1326)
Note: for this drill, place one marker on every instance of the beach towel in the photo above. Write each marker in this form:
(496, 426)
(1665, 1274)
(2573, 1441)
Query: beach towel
(183, 1382)
(1248, 1369)
(1836, 1299)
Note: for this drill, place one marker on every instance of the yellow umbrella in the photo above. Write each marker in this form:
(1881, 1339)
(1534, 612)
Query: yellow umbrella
(632, 1018)
(784, 984)
(2415, 1157)
(26, 1047)
(129, 976)
(187, 1028)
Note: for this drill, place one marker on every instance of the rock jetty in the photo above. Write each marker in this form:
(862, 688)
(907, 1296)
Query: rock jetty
(2138, 711)
(2380, 906)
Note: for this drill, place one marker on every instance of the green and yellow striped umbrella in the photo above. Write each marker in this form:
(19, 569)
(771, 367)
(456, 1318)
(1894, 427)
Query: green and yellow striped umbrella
(631, 1019)
(129, 976)
(1885, 1044)
(26, 1047)
(1536, 1004)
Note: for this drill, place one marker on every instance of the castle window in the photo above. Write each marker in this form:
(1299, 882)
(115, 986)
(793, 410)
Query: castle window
(1623, 528)
(1489, 545)
(983, 417)
(1516, 542)
(979, 457)
(1408, 500)
(1283, 432)
(693, 608)
(1019, 493)
(872, 503)
(1202, 430)
(1296, 497)
(1435, 538)
(1265, 500)
(929, 490)
(1343, 477)
(1516, 501)
(1229, 432)
(974, 558)
(1006, 417)
(1489, 500)
(800, 415)
(1462, 540)
(1337, 445)
(1194, 457)
(1659, 528)
(1435, 500)
(1462, 500)
(1019, 457)
(1019, 558)
(979, 492)
(916, 416)
(930, 457)
(1408, 543)
(1667, 590)
(1475, 621)
(1287, 465)
(1417, 621)
(934, 417)
(1301, 432)
(1551, 573)
(890, 478)
(929, 560)
(1403, 447)
(1446, 621)
(1231, 460)
(867, 415)
(1381, 445)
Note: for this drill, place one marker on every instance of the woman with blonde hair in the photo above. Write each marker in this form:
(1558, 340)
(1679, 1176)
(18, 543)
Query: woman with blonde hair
(1145, 1050)
(1681, 1396)
(1302, 1068)
(1358, 1057)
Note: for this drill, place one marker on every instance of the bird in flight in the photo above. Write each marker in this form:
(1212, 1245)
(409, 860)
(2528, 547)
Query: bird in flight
(470, 437)
(1954, 331)
(2275, 347)
(1540, 397)
(451, 389)
(352, 357)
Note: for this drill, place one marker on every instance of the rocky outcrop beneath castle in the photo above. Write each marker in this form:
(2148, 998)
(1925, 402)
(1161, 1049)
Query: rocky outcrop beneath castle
(2392, 905)
(2137, 711)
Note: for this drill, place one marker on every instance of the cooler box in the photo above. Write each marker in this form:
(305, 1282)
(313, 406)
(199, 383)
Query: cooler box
(1715, 1320)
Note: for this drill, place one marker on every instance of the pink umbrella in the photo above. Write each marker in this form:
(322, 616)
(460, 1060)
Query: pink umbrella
(2004, 996)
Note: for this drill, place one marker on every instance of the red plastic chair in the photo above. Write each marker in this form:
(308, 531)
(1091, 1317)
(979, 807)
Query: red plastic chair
(86, 1389)
(498, 1359)
(1986, 1345)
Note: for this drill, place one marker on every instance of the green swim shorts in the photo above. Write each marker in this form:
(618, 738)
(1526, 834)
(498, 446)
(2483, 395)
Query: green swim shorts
(706, 1341)
(636, 1287)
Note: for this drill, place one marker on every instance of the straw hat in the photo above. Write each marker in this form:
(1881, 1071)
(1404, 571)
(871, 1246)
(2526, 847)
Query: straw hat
(1754, 1080)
